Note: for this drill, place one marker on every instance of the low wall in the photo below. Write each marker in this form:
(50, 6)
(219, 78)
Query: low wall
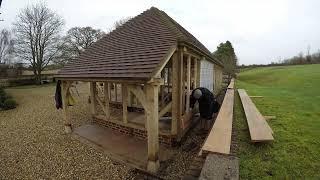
(167, 140)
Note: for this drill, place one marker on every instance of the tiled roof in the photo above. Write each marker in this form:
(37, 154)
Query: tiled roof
(133, 50)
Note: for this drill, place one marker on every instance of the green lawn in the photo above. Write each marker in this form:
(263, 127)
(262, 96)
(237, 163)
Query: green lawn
(292, 94)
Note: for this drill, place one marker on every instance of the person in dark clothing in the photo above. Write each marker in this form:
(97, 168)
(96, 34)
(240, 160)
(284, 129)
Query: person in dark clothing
(58, 97)
(207, 105)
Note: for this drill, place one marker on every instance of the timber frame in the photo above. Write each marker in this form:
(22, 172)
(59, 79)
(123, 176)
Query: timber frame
(164, 96)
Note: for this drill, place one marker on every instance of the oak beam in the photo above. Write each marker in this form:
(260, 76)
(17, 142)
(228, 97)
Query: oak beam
(152, 127)
(175, 93)
(124, 102)
(93, 94)
(188, 84)
(106, 99)
(195, 72)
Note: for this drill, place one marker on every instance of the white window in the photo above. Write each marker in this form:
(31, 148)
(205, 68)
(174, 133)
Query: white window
(206, 74)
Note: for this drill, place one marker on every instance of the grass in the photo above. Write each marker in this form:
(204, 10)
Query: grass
(292, 94)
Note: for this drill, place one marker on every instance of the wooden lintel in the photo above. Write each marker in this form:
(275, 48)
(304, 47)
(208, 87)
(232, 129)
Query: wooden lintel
(192, 55)
(156, 81)
(127, 80)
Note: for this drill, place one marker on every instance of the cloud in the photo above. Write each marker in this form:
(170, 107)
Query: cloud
(261, 31)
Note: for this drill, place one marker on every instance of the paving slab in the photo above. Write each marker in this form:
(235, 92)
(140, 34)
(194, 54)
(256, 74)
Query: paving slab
(219, 167)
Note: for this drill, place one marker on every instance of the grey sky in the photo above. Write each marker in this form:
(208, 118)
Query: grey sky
(261, 31)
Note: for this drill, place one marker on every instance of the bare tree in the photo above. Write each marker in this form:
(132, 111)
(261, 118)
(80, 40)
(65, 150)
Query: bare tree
(119, 23)
(37, 31)
(6, 46)
(77, 40)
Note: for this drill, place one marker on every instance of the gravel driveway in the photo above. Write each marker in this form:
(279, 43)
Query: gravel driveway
(33, 144)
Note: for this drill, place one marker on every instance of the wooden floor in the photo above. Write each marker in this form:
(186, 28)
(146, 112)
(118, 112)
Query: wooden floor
(219, 139)
(119, 147)
(259, 129)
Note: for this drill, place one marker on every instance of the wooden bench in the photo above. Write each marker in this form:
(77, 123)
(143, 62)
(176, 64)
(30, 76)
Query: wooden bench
(259, 129)
(219, 139)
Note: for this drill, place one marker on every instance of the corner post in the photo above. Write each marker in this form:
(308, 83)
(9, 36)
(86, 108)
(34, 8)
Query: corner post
(124, 102)
(152, 117)
(176, 114)
(64, 93)
(93, 93)
(106, 99)
(188, 84)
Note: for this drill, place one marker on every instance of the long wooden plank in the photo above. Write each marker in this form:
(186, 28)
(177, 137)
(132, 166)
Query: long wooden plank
(231, 85)
(219, 139)
(259, 129)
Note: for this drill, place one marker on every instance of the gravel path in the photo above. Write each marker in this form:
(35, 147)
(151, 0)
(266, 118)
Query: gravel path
(33, 144)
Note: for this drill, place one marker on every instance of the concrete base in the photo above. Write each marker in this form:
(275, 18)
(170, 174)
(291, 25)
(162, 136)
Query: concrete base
(153, 166)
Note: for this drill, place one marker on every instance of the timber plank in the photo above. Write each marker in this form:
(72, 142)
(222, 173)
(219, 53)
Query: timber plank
(259, 129)
(231, 85)
(219, 139)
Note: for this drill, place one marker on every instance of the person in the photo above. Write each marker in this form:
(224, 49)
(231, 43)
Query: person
(207, 105)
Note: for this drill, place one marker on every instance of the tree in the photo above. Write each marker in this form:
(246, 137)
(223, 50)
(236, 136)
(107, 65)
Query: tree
(6, 46)
(225, 53)
(76, 41)
(119, 23)
(37, 31)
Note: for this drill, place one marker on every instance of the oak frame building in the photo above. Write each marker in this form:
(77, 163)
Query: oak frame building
(149, 66)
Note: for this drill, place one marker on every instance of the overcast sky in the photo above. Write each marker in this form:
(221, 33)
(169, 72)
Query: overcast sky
(261, 31)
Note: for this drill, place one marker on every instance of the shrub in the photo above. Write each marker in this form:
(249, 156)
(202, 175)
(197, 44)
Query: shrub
(9, 104)
(6, 101)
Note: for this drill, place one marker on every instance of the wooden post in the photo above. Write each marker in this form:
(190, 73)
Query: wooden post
(188, 83)
(116, 92)
(109, 91)
(175, 93)
(152, 127)
(93, 93)
(67, 121)
(106, 99)
(124, 102)
(182, 88)
(195, 73)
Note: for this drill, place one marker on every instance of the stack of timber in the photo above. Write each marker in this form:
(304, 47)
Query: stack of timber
(259, 129)
(219, 139)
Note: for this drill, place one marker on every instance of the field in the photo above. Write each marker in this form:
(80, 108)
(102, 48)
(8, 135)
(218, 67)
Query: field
(292, 94)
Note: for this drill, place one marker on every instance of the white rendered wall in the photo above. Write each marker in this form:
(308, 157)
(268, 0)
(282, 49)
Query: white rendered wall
(206, 74)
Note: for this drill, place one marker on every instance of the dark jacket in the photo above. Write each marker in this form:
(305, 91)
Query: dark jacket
(57, 96)
(207, 103)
